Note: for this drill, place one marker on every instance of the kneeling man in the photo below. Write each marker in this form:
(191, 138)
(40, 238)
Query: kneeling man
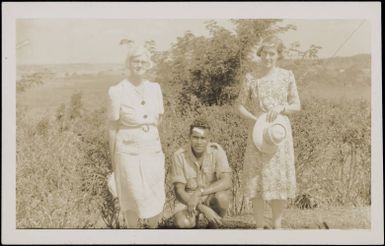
(202, 179)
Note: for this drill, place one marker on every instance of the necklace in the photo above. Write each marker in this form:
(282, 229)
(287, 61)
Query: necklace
(140, 91)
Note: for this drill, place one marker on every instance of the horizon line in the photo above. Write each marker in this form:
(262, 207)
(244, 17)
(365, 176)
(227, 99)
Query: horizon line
(115, 63)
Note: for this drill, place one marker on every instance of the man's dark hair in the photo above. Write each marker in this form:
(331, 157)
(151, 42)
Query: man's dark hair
(200, 122)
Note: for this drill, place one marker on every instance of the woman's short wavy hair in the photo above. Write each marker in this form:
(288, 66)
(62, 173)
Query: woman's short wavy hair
(272, 41)
(136, 51)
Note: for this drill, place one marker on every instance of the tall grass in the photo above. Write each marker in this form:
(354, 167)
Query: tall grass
(61, 167)
(63, 161)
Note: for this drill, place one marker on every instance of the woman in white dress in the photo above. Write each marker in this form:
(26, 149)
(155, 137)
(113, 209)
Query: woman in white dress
(135, 110)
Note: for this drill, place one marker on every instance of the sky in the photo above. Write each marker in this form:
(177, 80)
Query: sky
(56, 41)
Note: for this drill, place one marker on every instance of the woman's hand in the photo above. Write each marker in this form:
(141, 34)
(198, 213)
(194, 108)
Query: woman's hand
(274, 112)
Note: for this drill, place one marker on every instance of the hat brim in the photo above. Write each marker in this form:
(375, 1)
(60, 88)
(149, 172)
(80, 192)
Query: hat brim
(257, 135)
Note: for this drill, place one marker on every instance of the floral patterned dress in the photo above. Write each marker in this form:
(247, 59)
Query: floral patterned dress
(269, 176)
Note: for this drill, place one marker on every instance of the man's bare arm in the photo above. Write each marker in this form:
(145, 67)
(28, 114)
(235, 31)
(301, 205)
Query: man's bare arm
(223, 183)
(181, 194)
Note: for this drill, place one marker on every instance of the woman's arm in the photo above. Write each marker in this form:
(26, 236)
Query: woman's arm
(112, 130)
(113, 114)
(243, 97)
(244, 113)
(291, 108)
(160, 118)
(161, 105)
(293, 103)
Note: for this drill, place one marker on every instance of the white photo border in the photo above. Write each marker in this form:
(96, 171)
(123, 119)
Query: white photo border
(185, 10)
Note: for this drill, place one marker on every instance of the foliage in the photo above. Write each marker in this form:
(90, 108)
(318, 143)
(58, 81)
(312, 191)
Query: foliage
(63, 162)
(250, 32)
(333, 153)
(48, 194)
(76, 105)
(332, 161)
(29, 80)
(210, 68)
(339, 140)
(61, 170)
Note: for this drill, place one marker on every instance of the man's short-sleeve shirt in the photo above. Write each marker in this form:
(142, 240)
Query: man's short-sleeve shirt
(187, 170)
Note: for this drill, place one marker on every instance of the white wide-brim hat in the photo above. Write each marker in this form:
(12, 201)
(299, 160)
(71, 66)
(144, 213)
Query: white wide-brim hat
(267, 136)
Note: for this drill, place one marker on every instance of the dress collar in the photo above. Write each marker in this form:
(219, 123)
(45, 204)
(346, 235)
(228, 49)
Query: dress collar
(127, 82)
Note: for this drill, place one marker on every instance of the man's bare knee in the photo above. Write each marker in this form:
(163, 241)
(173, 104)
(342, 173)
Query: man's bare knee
(182, 221)
(222, 201)
(223, 198)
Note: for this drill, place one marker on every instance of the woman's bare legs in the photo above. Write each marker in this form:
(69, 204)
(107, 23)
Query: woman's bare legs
(258, 209)
(131, 219)
(277, 208)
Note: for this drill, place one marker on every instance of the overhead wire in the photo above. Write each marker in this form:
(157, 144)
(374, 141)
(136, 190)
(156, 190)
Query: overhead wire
(347, 39)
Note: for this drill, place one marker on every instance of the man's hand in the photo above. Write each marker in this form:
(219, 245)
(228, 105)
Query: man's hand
(211, 215)
(193, 202)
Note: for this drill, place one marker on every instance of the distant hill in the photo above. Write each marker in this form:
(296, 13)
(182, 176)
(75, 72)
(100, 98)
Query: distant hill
(351, 70)
(336, 71)
(65, 70)
(361, 60)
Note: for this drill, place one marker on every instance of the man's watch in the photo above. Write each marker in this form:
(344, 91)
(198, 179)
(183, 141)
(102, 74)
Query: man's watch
(201, 190)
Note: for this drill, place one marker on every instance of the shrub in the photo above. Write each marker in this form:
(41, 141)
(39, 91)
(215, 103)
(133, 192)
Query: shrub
(60, 181)
(62, 163)
(328, 136)
(332, 146)
(48, 193)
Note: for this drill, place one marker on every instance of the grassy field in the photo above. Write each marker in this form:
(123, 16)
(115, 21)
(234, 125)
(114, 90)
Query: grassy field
(67, 189)
(332, 218)
(45, 99)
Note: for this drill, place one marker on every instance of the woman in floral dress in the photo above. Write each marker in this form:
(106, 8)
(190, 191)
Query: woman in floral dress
(269, 89)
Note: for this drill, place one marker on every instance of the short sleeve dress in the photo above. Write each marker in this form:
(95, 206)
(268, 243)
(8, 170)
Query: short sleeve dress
(269, 176)
(139, 159)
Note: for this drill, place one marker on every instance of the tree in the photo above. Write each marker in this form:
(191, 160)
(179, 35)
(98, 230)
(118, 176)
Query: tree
(126, 42)
(29, 80)
(211, 68)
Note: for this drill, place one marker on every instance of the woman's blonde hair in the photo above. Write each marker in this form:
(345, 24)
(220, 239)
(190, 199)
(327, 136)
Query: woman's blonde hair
(272, 41)
(136, 51)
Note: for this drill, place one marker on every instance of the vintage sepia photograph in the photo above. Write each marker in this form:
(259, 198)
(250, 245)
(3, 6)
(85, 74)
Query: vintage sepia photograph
(205, 125)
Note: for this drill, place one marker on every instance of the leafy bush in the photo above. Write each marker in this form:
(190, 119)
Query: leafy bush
(48, 193)
(61, 171)
(328, 137)
(63, 162)
(210, 68)
(29, 80)
(332, 144)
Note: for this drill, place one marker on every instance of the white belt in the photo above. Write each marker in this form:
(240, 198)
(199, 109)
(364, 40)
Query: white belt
(144, 127)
